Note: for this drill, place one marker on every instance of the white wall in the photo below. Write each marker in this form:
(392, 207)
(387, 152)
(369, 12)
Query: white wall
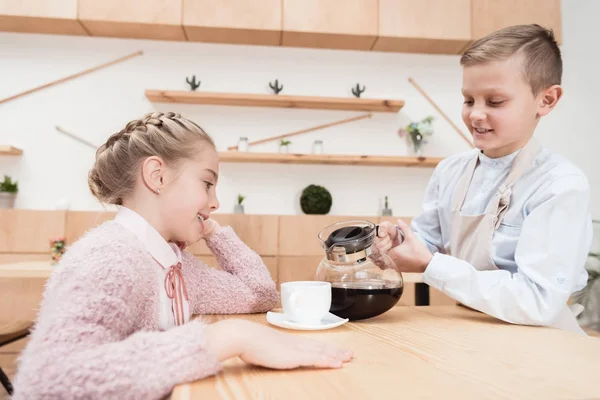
(54, 167)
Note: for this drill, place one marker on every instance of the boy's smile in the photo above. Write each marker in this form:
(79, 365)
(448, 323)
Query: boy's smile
(499, 107)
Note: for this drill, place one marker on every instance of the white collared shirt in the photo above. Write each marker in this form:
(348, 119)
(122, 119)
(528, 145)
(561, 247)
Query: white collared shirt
(540, 247)
(165, 254)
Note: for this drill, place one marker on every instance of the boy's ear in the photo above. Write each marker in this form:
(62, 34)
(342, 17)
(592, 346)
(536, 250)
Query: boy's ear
(548, 98)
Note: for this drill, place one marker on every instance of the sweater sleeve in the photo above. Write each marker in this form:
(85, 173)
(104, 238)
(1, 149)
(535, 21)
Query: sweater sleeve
(84, 345)
(244, 285)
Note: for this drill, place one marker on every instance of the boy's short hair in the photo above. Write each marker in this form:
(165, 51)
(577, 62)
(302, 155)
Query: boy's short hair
(542, 62)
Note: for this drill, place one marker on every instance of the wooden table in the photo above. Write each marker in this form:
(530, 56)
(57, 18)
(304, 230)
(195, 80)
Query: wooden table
(444, 352)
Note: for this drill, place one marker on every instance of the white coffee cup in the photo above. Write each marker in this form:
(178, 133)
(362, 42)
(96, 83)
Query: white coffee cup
(306, 302)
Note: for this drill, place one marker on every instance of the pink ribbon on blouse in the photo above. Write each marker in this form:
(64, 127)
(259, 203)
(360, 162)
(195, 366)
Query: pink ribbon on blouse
(176, 290)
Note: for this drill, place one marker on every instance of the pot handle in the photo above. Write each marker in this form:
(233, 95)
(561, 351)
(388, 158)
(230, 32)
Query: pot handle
(397, 228)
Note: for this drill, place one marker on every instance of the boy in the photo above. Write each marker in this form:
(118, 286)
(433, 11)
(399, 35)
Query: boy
(505, 228)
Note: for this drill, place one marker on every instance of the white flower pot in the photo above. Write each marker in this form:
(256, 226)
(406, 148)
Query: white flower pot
(7, 200)
(238, 209)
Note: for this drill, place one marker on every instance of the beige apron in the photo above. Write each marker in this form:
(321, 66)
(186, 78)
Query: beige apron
(471, 235)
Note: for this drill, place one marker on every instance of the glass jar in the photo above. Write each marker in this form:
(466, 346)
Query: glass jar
(317, 147)
(243, 144)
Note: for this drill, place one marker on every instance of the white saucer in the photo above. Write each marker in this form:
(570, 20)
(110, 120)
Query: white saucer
(328, 322)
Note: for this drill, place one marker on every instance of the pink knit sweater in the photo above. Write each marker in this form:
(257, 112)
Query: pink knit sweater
(97, 336)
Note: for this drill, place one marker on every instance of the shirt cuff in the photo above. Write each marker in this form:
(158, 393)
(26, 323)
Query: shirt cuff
(438, 271)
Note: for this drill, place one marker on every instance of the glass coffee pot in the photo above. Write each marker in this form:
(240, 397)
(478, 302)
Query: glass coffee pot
(364, 283)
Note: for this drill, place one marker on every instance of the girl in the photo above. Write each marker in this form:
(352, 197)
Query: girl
(115, 318)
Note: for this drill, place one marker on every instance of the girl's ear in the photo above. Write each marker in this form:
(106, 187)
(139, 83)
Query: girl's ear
(153, 170)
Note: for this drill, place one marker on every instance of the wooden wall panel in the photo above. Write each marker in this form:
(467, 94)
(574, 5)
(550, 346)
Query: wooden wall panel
(79, 222)
(298, 234)
(259, 232)
(437, 298)
(298, 268)
(29, 231)
(7, 258)
(20, 298)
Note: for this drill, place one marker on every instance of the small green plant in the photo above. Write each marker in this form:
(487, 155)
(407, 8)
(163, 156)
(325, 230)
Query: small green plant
(8, 185)
(416, 133)
(240, 199)
(315, 199)
(284, 142)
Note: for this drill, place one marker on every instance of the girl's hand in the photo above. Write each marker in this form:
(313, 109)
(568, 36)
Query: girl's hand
(210, 227)
(260, 345)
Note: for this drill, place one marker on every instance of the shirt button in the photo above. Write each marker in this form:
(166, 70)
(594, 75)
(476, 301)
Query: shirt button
(560, 279)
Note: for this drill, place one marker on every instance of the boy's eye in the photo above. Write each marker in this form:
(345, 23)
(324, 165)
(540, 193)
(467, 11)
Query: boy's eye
(495, 103)
(468, 102)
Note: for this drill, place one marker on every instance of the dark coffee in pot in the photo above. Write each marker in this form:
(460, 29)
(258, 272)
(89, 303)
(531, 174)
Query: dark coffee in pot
(362, 300)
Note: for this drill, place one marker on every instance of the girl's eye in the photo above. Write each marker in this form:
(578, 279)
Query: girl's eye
(208, 185)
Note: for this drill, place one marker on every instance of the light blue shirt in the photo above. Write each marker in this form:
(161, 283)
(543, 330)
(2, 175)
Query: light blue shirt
(540, 247)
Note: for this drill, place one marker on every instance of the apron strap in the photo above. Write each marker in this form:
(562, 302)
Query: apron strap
(500, 202)
(521, 163)
(460, 193)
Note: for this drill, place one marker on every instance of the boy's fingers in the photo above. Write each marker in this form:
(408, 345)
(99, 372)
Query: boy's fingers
(405, 228)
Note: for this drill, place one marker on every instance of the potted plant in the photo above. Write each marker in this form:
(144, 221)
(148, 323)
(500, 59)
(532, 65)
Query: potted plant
(239, 207)
(284, 146)
(8, 192)
(315, 199)
(416, 134)
(386, 210)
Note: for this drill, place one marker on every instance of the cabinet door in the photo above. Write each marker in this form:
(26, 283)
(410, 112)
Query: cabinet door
(491, 15)
(150, 19)
(334, 24)
(424, 26)
(40, 16)
(233, 21)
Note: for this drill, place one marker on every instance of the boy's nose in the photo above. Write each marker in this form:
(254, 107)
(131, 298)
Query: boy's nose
(477, 115)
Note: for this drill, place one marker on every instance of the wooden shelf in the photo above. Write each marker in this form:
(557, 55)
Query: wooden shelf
(10, 151)
(279, 158)
(272, 100)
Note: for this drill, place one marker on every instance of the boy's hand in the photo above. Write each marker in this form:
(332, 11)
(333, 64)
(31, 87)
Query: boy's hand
(410, 255)
(387, 237)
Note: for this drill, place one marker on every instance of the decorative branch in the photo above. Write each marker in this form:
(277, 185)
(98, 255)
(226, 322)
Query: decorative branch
(78, 74)
(430, 100)
(312, 129)
(193, 84)
(357, 91)
(276, 87)
(73, 136)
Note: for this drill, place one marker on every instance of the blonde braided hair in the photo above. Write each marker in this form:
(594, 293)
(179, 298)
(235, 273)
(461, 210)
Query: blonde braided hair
(166, 135)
